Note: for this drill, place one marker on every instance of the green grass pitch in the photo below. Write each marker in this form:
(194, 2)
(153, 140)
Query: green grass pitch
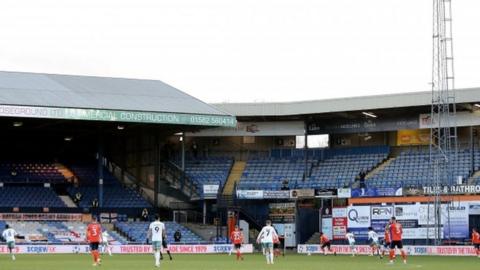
(225, 262)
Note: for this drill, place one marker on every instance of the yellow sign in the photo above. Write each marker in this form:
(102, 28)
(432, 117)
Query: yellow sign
(413, 137)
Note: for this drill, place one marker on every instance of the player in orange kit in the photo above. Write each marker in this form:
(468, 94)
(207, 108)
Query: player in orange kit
(325, 243)
(94, 236)
(396, 232)
(476, 241)
(237, 239)
(386, 240)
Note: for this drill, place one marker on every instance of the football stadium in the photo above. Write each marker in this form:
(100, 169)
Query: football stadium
(121, 151)
(121, 173)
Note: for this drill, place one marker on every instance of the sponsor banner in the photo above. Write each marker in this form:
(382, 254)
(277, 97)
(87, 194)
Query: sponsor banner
(339, 227)
(409, 223)
(108, 217)
(276, 194)
(339, 212)
(474, 209)
(117, 116)
(412, 192)
(413, 137)
(250, 194)
(280, 228)
(455, 219)
(210, 190)
(326, 212)
(462, 119)
(40, 217)
(344, 193)
(456, 189)
(411, 250)
(123, 249)
(358, 217)
(328, 193)
(290, 238)
(376, 192)
(420, 233)
(379, 226)
(362, 125)
(302, 193)
(381, 212)
(277, 128)
(426, 214)
(340, 249)
(360, 233)
(407, 212)
(327, 227)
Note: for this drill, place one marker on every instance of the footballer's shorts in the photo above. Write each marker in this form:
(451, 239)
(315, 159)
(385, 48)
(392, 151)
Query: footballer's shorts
(11, 245)
(386, 244)
(327, 244)
(156, 245)
(94, 246)
(351, 244)
(374, 243)
(396, 244)
(476, 246)
(237, 246)
(267, 245)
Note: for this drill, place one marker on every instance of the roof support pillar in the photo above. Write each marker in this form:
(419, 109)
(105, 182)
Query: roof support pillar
(100, 158)
(305, 147)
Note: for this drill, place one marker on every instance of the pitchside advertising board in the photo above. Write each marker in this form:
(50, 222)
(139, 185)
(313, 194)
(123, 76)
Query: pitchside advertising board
(339, 223)
(123, 249)
(380, 217)
(359, 219)
(411, 250)
(417, 220)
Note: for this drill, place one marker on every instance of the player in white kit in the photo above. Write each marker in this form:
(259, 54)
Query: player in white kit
(351, 241)
(105, 244)
(156, 232)
(9, 236)
(374, 242)
(265, 237)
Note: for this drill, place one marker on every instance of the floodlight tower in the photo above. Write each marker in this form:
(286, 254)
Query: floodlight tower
(443, 134)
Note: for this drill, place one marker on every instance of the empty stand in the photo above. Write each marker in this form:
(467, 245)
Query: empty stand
(214, 170)
(328, 168)
(30, 172)
(137, 231)
(412, 169)
(29, 196)
(115, 195)
(269, 173)
(341, 170)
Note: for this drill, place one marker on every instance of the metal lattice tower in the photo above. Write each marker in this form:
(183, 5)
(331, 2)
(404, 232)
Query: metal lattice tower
(443, 135)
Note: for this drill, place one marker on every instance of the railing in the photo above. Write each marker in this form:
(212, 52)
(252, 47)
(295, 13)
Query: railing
(176, 176)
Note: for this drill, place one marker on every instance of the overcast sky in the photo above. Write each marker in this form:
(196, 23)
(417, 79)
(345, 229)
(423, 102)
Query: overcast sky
(241, 50)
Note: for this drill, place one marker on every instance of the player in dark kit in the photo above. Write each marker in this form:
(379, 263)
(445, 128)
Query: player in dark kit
(165, 247)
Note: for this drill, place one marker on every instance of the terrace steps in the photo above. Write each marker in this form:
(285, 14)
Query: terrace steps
(235, 174)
